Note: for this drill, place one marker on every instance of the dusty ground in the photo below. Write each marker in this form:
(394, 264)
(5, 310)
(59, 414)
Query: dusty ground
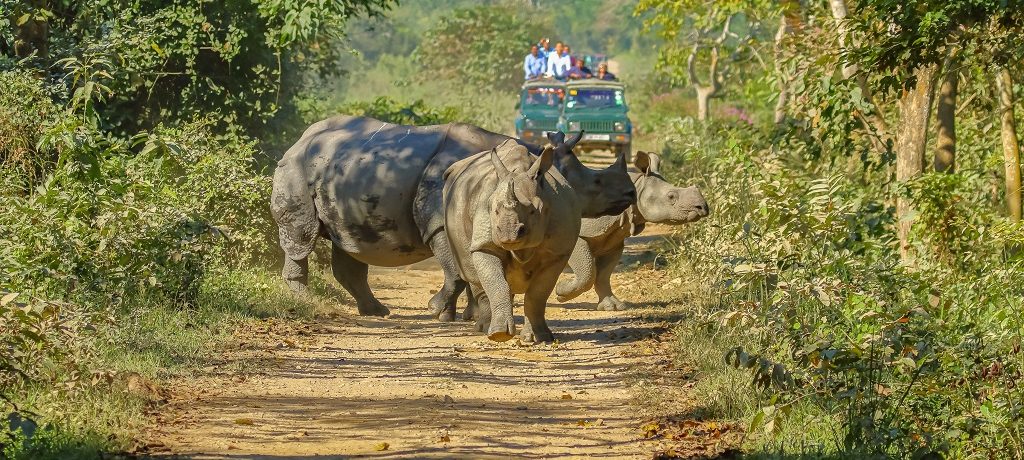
(410, 387)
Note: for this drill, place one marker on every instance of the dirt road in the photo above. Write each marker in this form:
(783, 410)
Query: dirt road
(410, 387)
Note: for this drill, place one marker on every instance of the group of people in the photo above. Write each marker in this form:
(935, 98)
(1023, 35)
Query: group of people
(560, 64)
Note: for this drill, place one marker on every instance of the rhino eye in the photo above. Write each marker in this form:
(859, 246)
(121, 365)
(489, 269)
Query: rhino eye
(672, 196)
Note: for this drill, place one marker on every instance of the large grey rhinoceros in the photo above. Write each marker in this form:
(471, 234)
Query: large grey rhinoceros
(602, 239)
(374, 189)
(511, 224)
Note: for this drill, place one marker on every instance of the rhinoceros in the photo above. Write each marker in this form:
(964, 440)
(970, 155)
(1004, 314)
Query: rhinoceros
(511, 223)
(601, 240)
(374, 190)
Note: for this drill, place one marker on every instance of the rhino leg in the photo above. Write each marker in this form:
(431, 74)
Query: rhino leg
(606, 264)
(442, 304)
(296, 274)
(543, 282)
(482, 314)
(491, 272)
(472, 306)
(582, 264)
(297, 229)
(352, 274)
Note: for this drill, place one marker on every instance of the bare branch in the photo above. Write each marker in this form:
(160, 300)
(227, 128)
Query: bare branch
(691, 65)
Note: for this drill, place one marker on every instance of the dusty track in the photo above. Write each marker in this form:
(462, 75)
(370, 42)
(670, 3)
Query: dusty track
(410, 387)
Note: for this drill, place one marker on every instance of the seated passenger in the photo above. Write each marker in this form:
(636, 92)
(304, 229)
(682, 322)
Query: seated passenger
(534, 64)
(577, 72)
(603, 73)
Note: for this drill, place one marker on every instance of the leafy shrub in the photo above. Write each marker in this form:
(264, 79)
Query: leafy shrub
(416, 113)
(802, 279)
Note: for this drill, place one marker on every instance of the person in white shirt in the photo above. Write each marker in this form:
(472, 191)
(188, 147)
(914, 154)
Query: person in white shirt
(558, 62)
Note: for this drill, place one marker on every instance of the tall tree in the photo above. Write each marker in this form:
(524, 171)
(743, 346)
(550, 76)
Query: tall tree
(911, 137)
(1011, 144)
(697, 32)
(945, 148)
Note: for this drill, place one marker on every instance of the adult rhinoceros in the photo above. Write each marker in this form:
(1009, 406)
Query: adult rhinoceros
(374, 189)
(511, 224)
(602, 239)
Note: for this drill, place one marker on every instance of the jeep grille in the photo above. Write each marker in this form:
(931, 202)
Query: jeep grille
(598, 126)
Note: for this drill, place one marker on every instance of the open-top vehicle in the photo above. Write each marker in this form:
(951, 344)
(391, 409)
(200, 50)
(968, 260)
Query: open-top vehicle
(540, 107)
(598, 107)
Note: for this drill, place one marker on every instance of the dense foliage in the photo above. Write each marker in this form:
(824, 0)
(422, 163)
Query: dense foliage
(133, 201)
(852, 342)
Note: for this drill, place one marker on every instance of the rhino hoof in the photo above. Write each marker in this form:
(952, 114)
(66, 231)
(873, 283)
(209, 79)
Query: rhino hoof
(501, 331)
(530, 336)
(611, 304)
(446, 316)
(297, 287)
(376, 309)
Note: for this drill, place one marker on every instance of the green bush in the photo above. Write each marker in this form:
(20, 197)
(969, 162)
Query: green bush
(804, 285)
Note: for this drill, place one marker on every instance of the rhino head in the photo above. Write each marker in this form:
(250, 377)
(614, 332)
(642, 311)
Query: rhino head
(604, 192)
(662, 202)
(518, 217)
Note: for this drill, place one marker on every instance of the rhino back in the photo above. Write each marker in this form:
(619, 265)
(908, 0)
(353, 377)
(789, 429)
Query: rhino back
(362, 175)
(462, 141)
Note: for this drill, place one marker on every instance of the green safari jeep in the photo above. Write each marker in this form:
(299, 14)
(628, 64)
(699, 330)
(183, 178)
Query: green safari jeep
(598, 107)
(540, 107)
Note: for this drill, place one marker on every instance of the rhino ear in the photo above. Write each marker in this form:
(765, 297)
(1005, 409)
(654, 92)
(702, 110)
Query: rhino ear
(655, 163)
(643, 162)
(575, 139)
(541, 164)
(620, 163)
(499, 167)
(556, 138)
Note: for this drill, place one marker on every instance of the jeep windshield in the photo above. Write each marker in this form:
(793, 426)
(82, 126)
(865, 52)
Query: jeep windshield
(595, 98)
(543, 97)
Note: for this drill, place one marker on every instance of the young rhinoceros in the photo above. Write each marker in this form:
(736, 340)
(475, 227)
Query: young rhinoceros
(511, 222)
(601, 239)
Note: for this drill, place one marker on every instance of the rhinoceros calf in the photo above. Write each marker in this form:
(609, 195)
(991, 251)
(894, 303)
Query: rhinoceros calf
(599, 246)
(374, 190)
(511, 224)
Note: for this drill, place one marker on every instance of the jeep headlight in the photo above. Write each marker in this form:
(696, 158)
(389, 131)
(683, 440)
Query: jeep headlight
(574, 126)
(620, 126)
(530, 124)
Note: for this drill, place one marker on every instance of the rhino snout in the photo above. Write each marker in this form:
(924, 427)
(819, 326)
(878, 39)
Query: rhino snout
(702, 209)
(511, 234)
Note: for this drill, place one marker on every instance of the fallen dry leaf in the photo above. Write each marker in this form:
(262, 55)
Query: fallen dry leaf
(382, 446)
(566, 396)
(244, 421)
(445, 438)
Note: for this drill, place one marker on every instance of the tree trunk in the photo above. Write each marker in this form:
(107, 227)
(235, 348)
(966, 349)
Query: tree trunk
(911, 136)
(704, 94)
(1011, 146)
(839, 13)
(945, 152)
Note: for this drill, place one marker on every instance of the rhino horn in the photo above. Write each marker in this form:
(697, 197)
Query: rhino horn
(541, 165)
(499, 167)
